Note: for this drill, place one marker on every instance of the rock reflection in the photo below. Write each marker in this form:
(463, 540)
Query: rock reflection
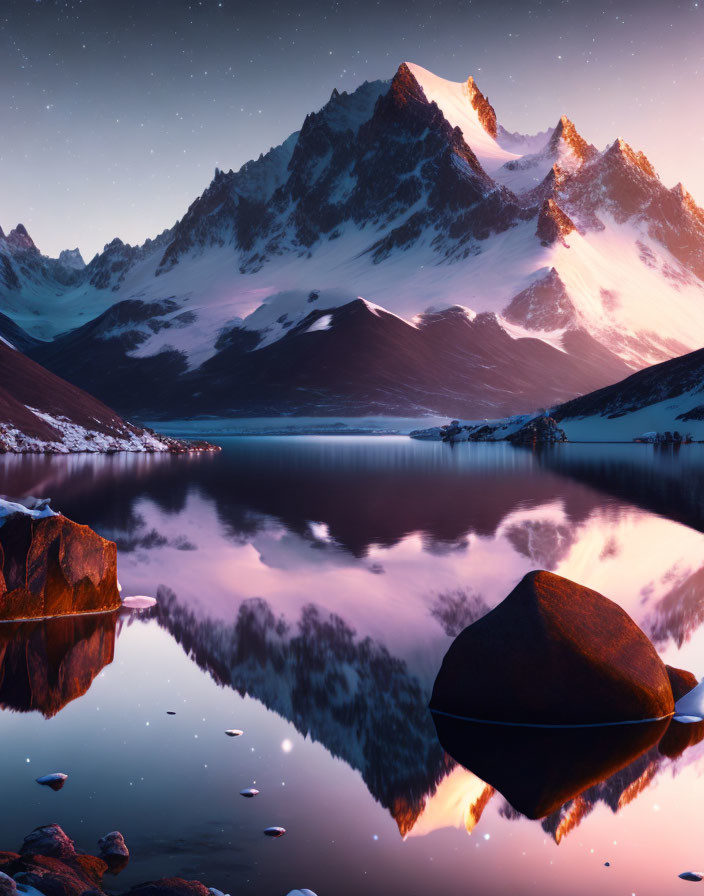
(46, 664)
(538, 770)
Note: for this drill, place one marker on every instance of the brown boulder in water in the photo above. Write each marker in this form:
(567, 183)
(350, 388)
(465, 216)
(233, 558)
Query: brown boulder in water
(553, 653)
(53, 566)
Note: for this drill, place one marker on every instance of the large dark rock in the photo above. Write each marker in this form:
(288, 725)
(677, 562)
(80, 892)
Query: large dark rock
(52, 567)
(553, 653)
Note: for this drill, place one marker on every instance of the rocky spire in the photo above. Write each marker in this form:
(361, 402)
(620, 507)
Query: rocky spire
(565, 132)
(553, 223)
(20, 239)
(482, 107)
(620, 149)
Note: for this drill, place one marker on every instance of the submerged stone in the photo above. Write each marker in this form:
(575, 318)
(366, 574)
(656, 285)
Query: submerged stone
(691, 875)
(274, 832)
(553, 653)
(234, 732)
(249, 792)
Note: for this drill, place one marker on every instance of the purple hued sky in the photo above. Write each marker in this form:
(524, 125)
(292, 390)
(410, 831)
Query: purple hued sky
(116, 112)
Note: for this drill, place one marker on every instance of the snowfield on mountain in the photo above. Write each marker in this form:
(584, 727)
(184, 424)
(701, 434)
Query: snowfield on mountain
(403, 253)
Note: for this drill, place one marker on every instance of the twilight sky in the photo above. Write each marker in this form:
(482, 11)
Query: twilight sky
(114, 113)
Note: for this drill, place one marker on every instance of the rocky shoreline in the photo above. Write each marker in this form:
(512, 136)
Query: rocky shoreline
(47, 864)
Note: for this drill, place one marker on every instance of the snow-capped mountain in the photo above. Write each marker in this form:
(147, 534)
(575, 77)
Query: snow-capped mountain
(531, 253)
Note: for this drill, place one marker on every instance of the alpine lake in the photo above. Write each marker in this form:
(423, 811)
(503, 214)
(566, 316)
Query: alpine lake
(307, 590)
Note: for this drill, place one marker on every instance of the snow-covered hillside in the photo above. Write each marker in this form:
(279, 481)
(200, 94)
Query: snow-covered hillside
(41, 413)
(411, 195)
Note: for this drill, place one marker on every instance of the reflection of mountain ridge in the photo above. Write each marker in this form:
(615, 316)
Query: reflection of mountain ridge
(365, 708)
(349, 694)
(663, 480)
(365, 492)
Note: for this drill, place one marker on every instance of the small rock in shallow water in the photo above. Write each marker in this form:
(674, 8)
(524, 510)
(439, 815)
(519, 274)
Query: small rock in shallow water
(138, 602)
(691, 875)
(170, 712)
(303, 892)
(114, 852)
(249, 792)
(216, 892)
(234, 732)
(275, 832)
(56, 780)
(113, 844)
(607, 864)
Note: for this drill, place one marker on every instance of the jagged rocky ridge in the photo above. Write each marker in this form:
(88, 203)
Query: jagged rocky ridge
(410, 193)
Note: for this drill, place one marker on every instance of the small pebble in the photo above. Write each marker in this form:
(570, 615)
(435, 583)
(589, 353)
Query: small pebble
(249, 792)
(56, 780)
(170, 712)
(691, 875)
(234, 732)
(274, 832)
(303, 892)
(607, 864)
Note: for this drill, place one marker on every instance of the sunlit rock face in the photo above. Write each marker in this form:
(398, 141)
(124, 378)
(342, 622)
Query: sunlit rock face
(46, 664)
(53, 566)
(553, 653)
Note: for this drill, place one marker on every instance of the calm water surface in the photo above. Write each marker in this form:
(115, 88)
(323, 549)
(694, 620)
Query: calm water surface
(308, 589)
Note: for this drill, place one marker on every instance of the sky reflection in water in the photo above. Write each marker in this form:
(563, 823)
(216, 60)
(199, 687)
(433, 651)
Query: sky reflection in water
(308, 589)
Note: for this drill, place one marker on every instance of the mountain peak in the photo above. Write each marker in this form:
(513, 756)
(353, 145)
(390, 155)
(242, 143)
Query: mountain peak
(20, 239)
(565, 132)
(619, 148)
(405, 86)
(72, 258)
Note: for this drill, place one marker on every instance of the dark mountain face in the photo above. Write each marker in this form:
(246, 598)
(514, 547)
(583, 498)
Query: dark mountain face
(353, 360)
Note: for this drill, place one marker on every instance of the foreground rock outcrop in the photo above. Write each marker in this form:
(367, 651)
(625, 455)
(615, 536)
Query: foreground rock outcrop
(553, 653)
(554, 691)
(51, 566)
(48, 862)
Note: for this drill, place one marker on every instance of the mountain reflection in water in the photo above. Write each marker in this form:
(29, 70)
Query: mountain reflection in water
(325, 578)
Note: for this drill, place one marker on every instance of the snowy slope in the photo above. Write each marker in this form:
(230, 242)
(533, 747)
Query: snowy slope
(455, 99)
(41, 413)
(665, 397)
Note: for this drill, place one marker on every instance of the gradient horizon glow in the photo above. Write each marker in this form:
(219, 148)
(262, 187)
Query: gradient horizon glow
(115, 114)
